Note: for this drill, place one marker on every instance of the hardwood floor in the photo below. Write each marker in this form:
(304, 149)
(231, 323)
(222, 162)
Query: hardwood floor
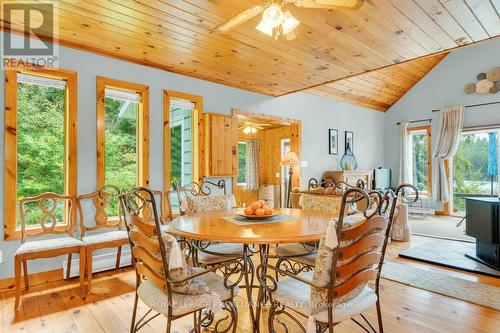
(58, 307)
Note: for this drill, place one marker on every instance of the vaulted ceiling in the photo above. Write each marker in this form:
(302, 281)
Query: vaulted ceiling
(179, 36)
(381, 88)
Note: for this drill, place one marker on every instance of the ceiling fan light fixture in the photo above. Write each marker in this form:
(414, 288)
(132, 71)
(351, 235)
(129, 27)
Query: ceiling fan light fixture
(265, 28)
(247, 130)
(253, 130)
(273, 15)
(289, 23)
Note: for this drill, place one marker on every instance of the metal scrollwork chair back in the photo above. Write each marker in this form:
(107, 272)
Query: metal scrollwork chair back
(203, 188)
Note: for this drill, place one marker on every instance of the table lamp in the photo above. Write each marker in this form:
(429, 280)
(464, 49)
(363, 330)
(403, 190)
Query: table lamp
(291, 160)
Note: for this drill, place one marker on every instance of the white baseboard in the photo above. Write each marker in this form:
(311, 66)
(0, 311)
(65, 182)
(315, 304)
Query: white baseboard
(100, 263)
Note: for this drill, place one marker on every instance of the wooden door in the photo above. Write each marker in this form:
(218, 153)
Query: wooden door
(222, 145)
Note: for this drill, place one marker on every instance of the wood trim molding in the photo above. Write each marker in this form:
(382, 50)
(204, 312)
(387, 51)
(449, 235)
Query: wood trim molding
(142, 124)
(198, 147)
(10, 169)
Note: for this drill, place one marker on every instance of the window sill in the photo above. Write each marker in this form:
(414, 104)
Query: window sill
(17, 235)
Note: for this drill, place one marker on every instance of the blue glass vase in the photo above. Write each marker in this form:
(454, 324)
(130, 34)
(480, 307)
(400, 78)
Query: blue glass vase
(348, 161)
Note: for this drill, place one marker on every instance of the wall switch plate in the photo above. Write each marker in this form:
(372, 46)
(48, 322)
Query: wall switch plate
(1, 257)
(278, 175)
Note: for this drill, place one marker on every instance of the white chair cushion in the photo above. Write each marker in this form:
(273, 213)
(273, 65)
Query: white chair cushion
(157, 299)
(48, 244)
(226, 248)
(296, 295)
(294, 250)
(105, 237)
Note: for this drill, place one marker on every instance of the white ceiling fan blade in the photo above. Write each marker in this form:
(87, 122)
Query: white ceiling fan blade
(330, 4)
(240, 18)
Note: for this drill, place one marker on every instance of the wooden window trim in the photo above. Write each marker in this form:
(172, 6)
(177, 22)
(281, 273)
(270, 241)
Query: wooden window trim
(427, 130)
(10, 169)
(142, 127)
(197, 133)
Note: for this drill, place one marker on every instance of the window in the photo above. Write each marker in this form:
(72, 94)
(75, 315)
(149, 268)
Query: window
(420, 152)
(181, 117)
(122, 134)
(40, 140)
(475, 167)
(242, 160)
(181, 141)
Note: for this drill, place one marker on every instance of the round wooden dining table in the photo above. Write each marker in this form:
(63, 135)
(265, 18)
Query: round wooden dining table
(294, 226)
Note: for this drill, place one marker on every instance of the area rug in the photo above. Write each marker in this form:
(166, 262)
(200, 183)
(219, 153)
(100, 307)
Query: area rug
(446, 285)
(449, 254)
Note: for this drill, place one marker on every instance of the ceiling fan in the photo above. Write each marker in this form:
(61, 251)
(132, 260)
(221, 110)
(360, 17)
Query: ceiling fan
(279, 21)
(251, 127)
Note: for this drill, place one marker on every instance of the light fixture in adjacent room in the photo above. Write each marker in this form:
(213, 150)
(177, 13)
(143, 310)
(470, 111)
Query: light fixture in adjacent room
(249, 129)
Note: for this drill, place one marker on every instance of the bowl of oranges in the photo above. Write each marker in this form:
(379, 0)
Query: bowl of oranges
(257, 211)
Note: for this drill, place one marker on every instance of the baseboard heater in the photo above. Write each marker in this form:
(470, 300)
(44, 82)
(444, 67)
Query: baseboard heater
(100, 263)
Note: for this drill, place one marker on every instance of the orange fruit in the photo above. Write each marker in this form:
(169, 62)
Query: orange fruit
(255, 205)
(259, 212)
(268, 211)
(249, 210)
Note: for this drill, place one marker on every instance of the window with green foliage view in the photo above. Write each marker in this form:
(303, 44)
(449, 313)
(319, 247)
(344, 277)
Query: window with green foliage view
(121, 143)
(475, 169)
(242, 159)
(419, 160)
(40, 144)
(181, 142)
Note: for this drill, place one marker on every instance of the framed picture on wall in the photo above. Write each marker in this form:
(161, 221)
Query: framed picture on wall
(333, 141)
(349, 140)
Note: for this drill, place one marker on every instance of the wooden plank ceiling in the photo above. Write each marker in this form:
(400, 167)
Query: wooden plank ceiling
(381, 88)
(178, 36)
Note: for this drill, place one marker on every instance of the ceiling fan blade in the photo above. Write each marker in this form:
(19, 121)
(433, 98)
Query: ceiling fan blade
(240, 18)
(330, 4)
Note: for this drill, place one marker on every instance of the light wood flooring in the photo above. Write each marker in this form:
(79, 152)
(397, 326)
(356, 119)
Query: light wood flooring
(58, 307)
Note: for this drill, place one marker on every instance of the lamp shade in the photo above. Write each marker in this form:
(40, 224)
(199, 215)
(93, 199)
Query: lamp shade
(290, 159)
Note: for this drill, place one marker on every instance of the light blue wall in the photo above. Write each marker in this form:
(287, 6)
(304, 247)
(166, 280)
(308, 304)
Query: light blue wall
(318, 114)
(441, 87)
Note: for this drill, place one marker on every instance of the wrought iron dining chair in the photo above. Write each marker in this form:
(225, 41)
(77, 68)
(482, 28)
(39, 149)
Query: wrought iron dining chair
(164, 282)
(47, 214)
(300, 257)
(348, 259)
(197, 198)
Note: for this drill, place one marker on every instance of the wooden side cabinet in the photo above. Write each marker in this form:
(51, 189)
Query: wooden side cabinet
(220, 145)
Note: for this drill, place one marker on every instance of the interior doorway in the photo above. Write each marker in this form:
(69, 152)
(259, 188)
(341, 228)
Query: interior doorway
(262, 142)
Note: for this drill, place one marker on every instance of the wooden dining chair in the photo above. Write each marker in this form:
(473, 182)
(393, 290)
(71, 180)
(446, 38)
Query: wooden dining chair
(46, 215)
(101, 224)
(348, 259)
(164, 281)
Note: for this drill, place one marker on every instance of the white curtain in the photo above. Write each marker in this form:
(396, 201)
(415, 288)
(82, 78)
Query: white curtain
(404, 153)
(252, 165)
(451, 121)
